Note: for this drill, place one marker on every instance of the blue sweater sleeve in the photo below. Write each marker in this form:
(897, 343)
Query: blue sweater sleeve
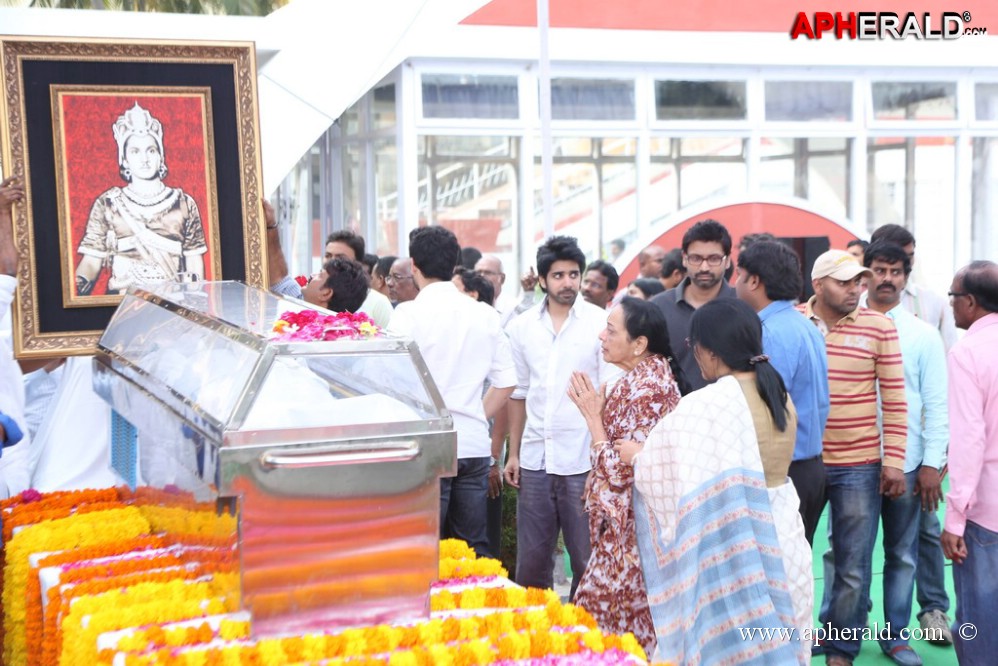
(12, 432)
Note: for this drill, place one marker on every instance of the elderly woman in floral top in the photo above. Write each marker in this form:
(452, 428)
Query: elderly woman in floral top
(636, 340)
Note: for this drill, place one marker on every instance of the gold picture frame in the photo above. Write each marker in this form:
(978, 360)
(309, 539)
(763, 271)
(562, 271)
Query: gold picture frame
(139, 160)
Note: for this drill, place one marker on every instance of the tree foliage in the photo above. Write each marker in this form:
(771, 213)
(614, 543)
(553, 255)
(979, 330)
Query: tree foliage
(223, 7)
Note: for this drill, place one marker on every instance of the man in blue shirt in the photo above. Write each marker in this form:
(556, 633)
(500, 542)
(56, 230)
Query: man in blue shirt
(924, 359)
(769, 279)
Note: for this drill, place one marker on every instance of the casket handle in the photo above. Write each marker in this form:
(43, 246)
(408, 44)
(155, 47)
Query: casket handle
(341, 455)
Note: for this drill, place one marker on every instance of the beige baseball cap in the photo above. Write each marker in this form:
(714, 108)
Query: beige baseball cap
(838, 264)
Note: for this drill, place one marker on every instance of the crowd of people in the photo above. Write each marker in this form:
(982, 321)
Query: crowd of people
(712, 409)
(684, 433)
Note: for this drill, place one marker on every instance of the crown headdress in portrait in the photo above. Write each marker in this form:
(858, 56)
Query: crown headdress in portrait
(136, 121)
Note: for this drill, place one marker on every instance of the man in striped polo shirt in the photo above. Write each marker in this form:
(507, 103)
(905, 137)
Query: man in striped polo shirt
(863, 353)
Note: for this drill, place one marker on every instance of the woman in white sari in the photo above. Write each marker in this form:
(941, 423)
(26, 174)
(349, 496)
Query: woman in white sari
(722, 545)
(144, 232)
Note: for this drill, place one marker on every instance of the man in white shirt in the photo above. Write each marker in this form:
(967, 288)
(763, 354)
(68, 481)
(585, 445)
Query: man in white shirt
(549, 442)
(15, 463)
(462, 344)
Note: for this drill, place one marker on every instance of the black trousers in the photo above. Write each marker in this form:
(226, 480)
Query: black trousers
(808, 476)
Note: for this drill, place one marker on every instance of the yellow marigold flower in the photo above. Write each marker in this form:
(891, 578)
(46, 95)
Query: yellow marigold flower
(232, 656)
(442, 601)
(630, 644)
(474, 653)
(440, 655)
(431, 632)
(559, 643)
(313, 647)
(593, 640)
(540, 643)
(407, 658)
(456, 549)
(473, 598)
(514, 645)
(230, 630)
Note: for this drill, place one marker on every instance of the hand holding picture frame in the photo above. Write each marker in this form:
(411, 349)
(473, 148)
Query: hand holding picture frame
(141, 163)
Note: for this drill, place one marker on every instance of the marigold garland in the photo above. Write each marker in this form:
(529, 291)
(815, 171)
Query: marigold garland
(34, 621)
(491, 597)
(79, 530)
(144, 603)
(381, 645)
(183, 522)
(62, 599)
(186, 635)
(58, 505)
(456, 549)
(113, 576)
(453, 569)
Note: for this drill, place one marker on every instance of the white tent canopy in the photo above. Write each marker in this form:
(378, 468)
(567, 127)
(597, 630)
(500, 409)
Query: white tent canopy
(315, 57)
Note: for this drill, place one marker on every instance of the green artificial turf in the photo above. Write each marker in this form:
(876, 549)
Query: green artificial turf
(932, 655)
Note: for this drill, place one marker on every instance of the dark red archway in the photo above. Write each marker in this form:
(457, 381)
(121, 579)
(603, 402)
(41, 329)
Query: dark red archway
(781, 220)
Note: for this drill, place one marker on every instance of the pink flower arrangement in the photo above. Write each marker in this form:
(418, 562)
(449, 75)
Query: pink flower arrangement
(311, 325)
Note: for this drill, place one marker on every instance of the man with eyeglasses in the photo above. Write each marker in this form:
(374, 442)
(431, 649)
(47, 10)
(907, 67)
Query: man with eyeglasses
(490, 268)
(706, 246)
(401, 285)
(971, 535)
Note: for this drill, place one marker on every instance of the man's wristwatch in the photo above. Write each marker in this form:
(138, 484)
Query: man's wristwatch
(492, 461)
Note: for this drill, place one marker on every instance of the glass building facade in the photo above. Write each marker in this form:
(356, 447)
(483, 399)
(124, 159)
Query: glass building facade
(448, 143)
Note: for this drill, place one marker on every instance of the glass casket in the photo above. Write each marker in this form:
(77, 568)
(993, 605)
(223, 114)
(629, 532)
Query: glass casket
(330, 452)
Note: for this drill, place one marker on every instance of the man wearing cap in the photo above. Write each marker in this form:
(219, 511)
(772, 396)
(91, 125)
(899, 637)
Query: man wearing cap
(863, 355)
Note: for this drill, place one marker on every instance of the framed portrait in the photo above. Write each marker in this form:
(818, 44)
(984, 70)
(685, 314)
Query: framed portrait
(140, 163)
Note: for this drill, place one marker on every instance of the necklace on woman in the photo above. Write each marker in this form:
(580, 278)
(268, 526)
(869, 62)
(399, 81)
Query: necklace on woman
(146, 199)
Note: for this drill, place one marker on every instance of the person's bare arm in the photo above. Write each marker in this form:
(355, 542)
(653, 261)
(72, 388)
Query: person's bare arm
(495, 400)
(29, 365)
(517, 410)
(10, 193)
(277, 265)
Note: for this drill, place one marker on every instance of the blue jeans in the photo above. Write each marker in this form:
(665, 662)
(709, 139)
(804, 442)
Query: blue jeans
(547, 502)
(901, 521)
(977, 598)
(930, 576)
(463, 504)
(854, 499)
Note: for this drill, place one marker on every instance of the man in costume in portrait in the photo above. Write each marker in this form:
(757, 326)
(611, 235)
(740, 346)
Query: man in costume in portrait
(145, 231)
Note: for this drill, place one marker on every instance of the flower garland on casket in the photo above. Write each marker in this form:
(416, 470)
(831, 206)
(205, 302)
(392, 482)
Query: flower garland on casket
(121, 580)
(312, 325)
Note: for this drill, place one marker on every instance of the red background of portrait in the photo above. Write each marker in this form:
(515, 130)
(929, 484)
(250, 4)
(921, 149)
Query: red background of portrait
(91, 156)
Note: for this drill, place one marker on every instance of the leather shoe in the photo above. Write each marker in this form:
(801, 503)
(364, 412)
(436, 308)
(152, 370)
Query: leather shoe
(904, 655)
(837, 660)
